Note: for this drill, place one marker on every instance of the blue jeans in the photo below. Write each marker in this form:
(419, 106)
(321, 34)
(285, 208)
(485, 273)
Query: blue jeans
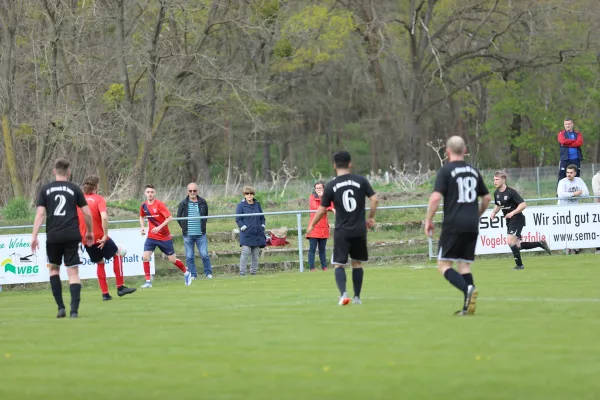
(311, 252)
(202, 243)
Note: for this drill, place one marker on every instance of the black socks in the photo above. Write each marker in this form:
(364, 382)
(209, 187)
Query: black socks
(75, 296)
(340, 279)
(530, 245)
(517, 254)
(468, 279)
(456, 279)
(57, 290)
(357, 280)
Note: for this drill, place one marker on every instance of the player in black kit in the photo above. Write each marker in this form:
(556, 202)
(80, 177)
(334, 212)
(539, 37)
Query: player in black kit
(512, 205)
(460, 185)
(58, 202)
(347, 192)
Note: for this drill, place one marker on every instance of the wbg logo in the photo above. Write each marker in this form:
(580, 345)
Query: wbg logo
(18, 265)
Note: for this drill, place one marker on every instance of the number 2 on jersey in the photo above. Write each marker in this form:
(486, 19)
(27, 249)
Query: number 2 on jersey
(466, 189)
(60, 208)
(349, 202)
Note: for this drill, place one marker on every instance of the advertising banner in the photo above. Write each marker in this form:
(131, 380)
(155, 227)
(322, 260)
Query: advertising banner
(563, 227)
(19, 265)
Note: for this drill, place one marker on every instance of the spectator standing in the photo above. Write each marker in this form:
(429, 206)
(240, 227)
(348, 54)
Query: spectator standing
(596, 191)
(570, 190)
(194, 230)
(570, 148)
(318, 237)
(252, 230)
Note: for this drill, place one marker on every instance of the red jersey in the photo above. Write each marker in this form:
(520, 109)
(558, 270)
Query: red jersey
(157, 213)
(97, 204)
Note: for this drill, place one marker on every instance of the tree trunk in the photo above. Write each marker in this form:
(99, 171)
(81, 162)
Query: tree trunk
(130, 131)
(154, 120)
(266, 157)
(8, 16)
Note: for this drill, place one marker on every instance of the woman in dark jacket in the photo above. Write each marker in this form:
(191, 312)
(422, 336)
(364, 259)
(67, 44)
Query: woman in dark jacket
(252, 230)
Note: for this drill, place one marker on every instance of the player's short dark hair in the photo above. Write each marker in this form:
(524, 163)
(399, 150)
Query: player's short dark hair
(62, 166)
(149, 187)
(569, 119)
(342, 159)
(90, 183)
(572, 166)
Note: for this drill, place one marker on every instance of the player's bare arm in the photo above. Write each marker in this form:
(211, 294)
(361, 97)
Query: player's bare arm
(142, 225)
(434, 202)
(496, 210)
(485, 202)
(371, 220)
(517, 210)
(89, 223)
(37, 224)
(158, 228)
(321, 211)
(104, 217)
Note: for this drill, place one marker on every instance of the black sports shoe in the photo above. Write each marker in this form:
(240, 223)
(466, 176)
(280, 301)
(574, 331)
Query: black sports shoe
(519, 267)
(61, 313)
(106, 297)
(74, 314)
(124, 290)
(545, 246)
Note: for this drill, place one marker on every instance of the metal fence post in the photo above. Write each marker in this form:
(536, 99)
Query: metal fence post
(300, 250)
(430, 242)
(537, 172)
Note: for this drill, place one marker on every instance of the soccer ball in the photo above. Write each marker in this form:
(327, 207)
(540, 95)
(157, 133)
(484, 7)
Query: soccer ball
(122, 250)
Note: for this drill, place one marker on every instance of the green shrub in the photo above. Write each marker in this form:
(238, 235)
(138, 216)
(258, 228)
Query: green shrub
(18, 209)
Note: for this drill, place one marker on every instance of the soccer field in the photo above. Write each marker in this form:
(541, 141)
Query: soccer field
(535, 336)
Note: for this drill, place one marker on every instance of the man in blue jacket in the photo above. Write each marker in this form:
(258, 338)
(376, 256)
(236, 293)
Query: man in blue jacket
(194, 230)
(570, 148)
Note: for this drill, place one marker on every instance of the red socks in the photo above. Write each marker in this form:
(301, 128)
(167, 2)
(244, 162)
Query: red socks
(102, 278)
(118, 269)
(147, 270)
(180, 265)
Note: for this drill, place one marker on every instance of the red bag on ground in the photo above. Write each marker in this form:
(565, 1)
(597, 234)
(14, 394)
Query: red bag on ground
(278, 237)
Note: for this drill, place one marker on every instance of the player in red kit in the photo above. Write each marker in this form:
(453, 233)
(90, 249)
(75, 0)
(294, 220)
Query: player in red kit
(103, 247)
(158, 216)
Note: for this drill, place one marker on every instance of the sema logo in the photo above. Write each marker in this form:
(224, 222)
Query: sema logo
(20, 265)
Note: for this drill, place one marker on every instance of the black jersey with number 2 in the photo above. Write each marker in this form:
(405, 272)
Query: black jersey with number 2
(348, 192)
(509, 200)
(461, 184)
(61, 199)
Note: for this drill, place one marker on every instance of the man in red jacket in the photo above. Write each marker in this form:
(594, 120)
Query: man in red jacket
(320, 234)
(570, 148)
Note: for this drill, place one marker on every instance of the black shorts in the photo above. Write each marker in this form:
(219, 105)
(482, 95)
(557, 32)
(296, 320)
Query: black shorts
(457, 246)
(69, 251)
(514, 227)
(344, 246)
(105, 253)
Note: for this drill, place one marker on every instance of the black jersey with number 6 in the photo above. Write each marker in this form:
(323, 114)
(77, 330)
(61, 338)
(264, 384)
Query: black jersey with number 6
(348, 192)
(461, 184)
(61, 199)
(509, 200)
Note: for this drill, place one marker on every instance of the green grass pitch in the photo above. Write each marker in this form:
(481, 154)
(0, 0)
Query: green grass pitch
(535, 335)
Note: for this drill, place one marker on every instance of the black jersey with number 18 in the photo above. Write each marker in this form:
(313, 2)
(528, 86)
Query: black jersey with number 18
(61, 199)
(348, 192)
(461, 184)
